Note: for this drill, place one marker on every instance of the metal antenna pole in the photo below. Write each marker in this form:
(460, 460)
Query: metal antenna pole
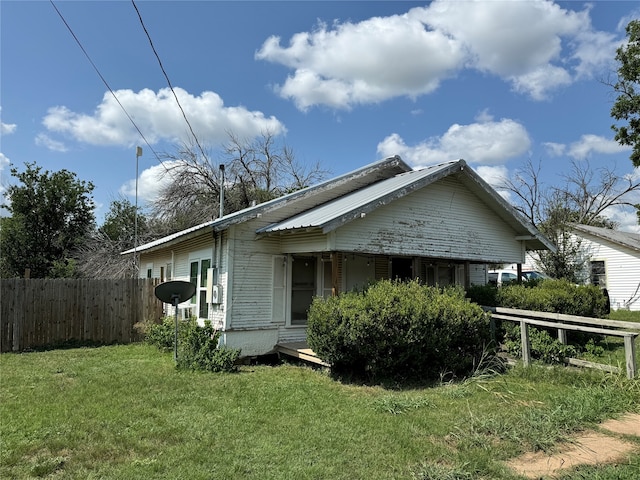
(135, 221)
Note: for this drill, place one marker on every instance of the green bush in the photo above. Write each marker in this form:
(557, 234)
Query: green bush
(486, 295)
(543, 346)
(556, 296)
(160, 335)
(396, 330)
(198, 347)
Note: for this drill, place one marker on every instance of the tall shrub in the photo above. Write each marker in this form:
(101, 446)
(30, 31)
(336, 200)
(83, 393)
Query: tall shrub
(398, 330)
(556, 296)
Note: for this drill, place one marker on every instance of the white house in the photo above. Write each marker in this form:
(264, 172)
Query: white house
(257, 270)
(613, 262)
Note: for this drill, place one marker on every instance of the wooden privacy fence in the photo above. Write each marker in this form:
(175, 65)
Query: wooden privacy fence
(39, 312)
(629, 331)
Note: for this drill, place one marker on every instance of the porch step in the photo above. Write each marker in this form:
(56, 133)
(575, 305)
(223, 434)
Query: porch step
(300, 350)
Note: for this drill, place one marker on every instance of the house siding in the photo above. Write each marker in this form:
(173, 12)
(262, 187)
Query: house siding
(622, 267)
(444, 221)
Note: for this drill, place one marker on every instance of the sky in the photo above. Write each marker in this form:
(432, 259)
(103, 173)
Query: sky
(342, 83)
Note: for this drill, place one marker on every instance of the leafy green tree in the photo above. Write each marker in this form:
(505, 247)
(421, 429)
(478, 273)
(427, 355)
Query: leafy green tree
(51, 216)
(627, 105)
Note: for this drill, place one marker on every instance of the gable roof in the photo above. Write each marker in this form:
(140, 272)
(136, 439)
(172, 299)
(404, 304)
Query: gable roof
(339, 211)
(342, 210)
(625, 239)
(309, 197)
(334, 202)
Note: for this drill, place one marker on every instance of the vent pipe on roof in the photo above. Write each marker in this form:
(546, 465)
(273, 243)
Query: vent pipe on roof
(221, 190)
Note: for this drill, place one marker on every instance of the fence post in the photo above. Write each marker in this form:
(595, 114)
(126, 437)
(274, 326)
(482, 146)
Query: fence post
(526, 345)
(630, 354)
(562, 335)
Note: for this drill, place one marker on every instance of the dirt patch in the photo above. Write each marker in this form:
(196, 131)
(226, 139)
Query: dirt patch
(627, 425)
(591, 448)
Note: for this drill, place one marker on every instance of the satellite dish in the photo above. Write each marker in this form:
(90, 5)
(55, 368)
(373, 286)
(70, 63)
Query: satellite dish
(175, 292)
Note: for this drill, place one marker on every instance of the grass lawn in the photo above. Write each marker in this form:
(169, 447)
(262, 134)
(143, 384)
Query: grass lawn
(612, 348)
(124, 412)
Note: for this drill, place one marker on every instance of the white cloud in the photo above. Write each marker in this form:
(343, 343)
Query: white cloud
(4, 162)
(150, 182)
(485, 143)
(158, 116)
(585, 147)
(589, 144)
(625, 217)
(7, 128)
(493, 175)
(555, 149)
(365, 62)
(44, 140)
(536, 46)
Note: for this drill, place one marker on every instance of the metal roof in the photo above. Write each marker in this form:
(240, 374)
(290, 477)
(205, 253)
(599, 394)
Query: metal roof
(626, 239)
(341, 210)
(335, 202)
(173, 238)
(320, 192)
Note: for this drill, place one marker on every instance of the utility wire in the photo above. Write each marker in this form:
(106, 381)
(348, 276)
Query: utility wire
(105, 82)
(184, 115)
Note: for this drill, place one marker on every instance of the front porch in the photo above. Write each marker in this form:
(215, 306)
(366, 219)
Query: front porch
(300, 350)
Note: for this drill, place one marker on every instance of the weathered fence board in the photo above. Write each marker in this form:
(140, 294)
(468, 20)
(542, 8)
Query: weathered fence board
(39, 312)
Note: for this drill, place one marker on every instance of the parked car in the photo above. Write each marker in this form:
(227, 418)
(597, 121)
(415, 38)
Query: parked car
(503, 277)
(535, 275)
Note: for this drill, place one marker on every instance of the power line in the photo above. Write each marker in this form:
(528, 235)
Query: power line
(204, 155)
(105, 82)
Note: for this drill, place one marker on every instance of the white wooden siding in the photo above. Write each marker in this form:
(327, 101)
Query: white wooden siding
(622, 268)
(442, 221)
(251, 277)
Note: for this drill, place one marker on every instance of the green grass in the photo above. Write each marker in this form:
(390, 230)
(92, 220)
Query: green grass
(625, 315)
(125, 412)
(611, 351)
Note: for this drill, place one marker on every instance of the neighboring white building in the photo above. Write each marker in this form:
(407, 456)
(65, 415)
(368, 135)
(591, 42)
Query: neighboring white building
(613, 263)
(257, 270)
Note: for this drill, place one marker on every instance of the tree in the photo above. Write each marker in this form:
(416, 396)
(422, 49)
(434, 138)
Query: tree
(51, 216)
(101, 257)
(255, 171)
(627, 104)
(584, 197)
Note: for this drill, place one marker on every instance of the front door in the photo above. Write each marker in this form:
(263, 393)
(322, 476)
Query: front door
(303, 287)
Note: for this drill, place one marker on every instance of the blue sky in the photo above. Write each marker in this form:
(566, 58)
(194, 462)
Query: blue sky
(342, 83)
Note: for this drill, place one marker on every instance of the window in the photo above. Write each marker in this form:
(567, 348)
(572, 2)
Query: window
(198, 275)
(598, 273)
(402, 268)
(193, 277)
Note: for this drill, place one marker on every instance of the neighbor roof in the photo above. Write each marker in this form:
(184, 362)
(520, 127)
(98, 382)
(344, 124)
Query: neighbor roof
(626, 239)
